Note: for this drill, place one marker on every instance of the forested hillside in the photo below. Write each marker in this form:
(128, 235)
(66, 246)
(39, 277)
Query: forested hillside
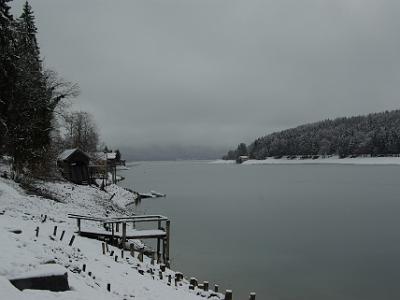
(374, 134)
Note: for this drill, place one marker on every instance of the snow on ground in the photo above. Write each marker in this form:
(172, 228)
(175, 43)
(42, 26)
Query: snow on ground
(22, 252)
(222, 161)
(90, 197)
(334, 160)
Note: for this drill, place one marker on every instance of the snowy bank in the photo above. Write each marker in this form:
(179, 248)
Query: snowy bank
(334, 160)
(25, 253)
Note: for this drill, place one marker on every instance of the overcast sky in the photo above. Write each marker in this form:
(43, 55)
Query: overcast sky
(221, 71)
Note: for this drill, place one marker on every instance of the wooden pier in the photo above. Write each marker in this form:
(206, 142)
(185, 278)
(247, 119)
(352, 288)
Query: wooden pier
(117, 231)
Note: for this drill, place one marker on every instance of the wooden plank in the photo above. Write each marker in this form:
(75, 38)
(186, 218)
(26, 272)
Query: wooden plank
(139, 234)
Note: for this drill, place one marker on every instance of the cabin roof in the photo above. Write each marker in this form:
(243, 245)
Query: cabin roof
(111, 155)
(68, 152)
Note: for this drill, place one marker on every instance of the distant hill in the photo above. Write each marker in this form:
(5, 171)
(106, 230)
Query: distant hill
(374, 134)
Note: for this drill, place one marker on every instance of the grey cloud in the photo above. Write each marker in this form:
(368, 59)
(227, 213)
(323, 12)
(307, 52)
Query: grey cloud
(219, 72)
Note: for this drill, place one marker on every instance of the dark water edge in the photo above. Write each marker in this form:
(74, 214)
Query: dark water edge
(284, 231)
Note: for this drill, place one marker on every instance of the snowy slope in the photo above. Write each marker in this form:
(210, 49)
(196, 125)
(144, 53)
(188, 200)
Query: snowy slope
(23, 252)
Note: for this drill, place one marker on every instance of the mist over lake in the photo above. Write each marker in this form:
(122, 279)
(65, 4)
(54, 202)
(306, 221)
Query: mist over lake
(283, 231)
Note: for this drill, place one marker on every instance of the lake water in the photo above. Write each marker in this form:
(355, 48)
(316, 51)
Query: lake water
(284, 231)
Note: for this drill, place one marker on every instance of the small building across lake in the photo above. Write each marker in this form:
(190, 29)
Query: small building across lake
(242, 159)
(74, 166)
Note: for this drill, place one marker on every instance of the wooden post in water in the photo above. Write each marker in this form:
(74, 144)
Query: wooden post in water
(205, 286)
(252, 296)
(228, 295)
(55, 231)
(216, 288)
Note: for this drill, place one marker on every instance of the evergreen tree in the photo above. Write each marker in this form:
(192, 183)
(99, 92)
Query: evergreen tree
(7, 67)
(117, 155)
(374, 134)
(29, 117)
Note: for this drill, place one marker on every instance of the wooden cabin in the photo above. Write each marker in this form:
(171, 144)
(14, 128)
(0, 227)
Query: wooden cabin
(74, 166)
(242, 159)
(103, 164)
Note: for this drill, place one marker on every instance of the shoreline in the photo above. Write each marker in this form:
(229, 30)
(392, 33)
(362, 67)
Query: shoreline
(128, 276)
(334, 160)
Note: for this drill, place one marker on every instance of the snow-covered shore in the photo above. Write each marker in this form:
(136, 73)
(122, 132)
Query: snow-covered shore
(21, 251)
(334, 160)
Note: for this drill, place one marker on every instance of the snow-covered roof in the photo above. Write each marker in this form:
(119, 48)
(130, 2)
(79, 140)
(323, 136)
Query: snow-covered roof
(111, 155)
(67, 153)
(98, 155)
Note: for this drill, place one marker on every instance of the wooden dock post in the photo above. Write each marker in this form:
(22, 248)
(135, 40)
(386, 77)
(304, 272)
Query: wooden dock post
(109, 287)
(55, 231)
(123, 234)
(252, 296)
(140, 256)
(163, 250)
(205, 286)
(132, 249)
(158, 244)
(167, 229)
(216, 288)
(228, 295)
(193, 281)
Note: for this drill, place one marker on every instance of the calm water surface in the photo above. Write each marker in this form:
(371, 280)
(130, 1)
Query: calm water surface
(284, 231)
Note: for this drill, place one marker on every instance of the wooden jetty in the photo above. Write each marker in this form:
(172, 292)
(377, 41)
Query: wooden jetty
(117, 230)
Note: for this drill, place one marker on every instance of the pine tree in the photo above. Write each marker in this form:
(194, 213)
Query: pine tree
(29, 117)
(7, 67)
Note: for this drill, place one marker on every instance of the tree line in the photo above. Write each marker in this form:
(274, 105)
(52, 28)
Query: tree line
(373, 134)
(35, 120)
